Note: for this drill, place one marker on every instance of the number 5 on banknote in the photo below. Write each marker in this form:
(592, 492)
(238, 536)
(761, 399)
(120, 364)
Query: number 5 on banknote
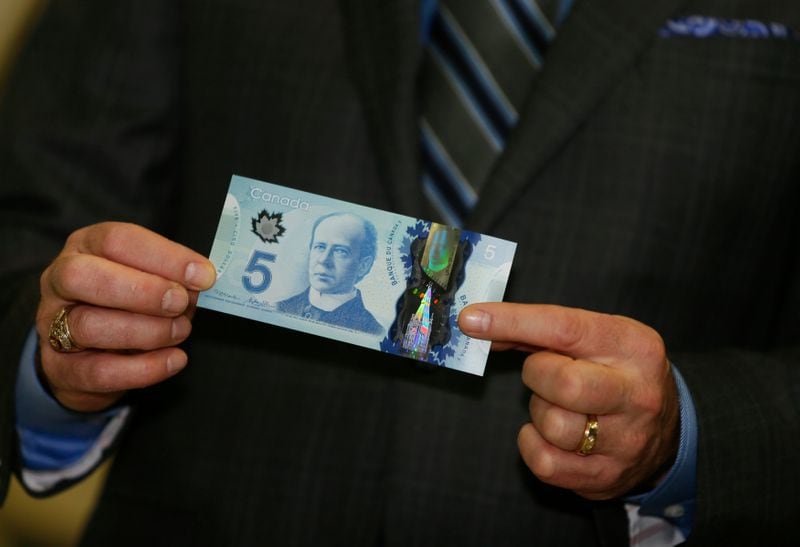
(352, 273)
(258, 265)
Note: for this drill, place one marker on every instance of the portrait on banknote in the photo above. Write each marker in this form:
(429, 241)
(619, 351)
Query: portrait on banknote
(340, 254)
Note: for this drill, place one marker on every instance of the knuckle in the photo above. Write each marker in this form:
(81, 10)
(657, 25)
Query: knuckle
(44, 316)
(646, 398)
(598, 476)
(515, 326)
(526, 448)
(75, 239)
(569, 383)
(45, 279)
(638, 340)
(95, 328)
(125, 336)
(134, 287)
(541, 465)
(529, 369)
(651, 347)
(553, 424)
(67, 275)
(114, 239)
(539, 461)
(651, 403)
(570, 330)
(534, 405)
(42, 323)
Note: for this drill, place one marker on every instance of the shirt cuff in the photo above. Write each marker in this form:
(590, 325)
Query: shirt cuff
(674, 498)
(56, 442)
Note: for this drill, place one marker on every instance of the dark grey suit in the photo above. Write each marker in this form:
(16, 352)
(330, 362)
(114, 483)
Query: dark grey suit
(655, 178)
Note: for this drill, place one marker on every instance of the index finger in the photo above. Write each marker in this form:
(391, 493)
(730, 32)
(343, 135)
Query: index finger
(147, 251)
(579, 333)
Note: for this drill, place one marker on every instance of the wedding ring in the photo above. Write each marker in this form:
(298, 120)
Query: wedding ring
(589, 436)
(59, 335)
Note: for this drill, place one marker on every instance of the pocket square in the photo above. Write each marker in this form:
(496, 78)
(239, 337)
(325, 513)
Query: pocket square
(701, 26)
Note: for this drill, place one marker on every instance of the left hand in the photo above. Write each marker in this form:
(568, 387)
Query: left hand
(582, 363)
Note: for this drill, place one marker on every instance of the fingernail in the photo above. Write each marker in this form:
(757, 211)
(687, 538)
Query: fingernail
(181, 327)
(174, 300)
(176, 362)
(475, 321)
(199, 276)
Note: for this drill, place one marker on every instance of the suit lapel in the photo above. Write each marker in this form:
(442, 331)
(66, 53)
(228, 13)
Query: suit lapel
(599, 40)
(383, 52)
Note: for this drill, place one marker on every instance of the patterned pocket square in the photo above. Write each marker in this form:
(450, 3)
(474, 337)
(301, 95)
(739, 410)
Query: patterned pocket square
(702, 26)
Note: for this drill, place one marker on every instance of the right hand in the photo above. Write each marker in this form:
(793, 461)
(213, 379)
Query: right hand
(134, 293)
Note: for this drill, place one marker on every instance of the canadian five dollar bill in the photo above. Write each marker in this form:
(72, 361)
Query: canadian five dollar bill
(356, 274)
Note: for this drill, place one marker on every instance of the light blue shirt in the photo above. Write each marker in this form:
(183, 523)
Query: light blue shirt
(51, 436)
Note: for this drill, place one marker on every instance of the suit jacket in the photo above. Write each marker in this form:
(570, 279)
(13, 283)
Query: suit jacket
(651, 177)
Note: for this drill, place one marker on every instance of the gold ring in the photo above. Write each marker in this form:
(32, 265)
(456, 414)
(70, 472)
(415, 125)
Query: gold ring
(59, 335)
(589, 436)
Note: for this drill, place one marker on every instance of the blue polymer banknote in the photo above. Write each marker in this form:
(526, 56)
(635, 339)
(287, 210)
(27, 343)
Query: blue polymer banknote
(352, 273)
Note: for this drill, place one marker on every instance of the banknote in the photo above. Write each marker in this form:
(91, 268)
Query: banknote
(352, 273)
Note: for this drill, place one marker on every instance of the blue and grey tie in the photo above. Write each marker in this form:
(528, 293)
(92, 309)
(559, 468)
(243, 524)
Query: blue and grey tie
(481, 59)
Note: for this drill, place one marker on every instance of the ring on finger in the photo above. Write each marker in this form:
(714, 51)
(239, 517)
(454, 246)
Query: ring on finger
(589, 439)
(59, 335)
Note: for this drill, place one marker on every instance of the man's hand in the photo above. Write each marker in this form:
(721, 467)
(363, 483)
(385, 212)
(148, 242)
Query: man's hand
(588, 363)
(133, 293)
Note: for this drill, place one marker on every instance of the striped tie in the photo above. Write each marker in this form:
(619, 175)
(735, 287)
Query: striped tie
(481, 58)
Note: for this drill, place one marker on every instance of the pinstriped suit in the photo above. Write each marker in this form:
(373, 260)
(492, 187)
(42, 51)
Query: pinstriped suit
(655, 178)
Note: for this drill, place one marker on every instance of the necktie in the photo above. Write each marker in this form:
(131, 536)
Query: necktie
(480, 60)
